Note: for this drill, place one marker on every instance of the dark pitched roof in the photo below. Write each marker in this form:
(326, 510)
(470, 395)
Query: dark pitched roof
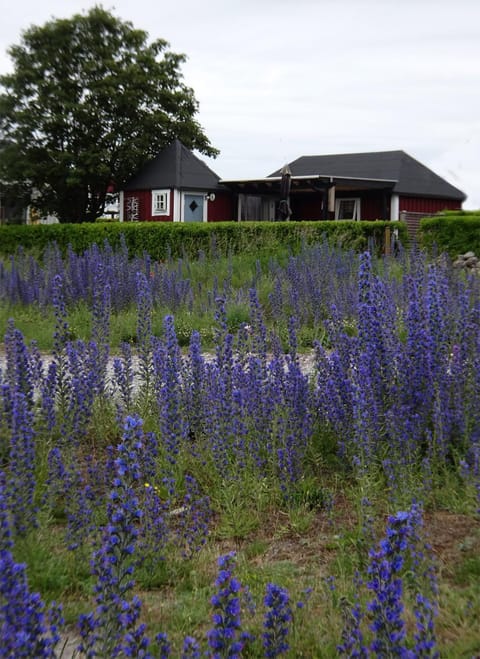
(412, 178)
(174, 167)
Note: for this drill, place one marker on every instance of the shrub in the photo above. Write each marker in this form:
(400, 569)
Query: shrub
(455, 232)
(161, 240)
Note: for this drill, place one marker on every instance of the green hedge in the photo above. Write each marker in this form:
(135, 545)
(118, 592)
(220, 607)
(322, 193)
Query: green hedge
(161, 240)
(455, 232)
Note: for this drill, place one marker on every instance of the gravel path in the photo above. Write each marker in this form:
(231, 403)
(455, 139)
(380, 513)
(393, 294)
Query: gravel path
(306, 361)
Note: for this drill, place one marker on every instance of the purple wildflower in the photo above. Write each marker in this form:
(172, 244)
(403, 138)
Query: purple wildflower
(21, 481)
(191, 648)
(386, 583)
(225, 638)
(277, 621)
(164, 648)
(112, 629)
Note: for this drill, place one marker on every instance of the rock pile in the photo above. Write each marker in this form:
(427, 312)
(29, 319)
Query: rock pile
(467, 261)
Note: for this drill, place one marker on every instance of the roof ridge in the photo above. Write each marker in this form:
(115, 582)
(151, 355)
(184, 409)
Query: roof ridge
(353, 153)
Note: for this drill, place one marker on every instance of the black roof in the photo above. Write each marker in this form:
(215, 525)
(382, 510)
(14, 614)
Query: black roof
(410, 176)
(174, 167)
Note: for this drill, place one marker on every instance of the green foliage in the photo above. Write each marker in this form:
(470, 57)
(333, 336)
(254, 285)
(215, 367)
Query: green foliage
(164, 240)
(455, 232)
(89, 101)
(58, 573)
(242, 505)
(468, 570)
(34, 323)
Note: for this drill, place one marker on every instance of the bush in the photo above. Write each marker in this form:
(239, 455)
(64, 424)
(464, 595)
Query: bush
(161, 240)
(455, 232)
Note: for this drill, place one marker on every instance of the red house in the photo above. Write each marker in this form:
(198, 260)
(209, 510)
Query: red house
(352, 186)
(177, 186)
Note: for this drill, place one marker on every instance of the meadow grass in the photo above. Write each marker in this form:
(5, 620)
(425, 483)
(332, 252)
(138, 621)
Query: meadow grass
(298, 548)
(229, 277)
(301, 470)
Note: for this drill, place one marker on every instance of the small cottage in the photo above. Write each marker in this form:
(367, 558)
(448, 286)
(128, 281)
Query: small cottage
(176, 186)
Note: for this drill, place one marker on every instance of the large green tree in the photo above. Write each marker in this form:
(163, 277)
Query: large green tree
(89, 101)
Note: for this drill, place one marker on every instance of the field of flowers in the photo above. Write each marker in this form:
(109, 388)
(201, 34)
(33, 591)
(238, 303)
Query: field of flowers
(189, 488)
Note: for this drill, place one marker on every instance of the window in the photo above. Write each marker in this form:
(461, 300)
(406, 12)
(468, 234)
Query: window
(160, 202)
(347, 209)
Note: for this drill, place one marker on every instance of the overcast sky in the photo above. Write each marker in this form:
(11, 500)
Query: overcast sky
(277, 79)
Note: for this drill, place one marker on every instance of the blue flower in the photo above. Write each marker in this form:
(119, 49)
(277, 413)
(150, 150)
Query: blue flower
(277, 620)
(225, 638)
(112, 629)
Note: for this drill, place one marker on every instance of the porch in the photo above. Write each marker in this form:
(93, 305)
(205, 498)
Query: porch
(318, 197)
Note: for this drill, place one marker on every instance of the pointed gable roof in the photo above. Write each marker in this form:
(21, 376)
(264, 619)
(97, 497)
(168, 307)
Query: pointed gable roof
(412, 178)
(174, 167)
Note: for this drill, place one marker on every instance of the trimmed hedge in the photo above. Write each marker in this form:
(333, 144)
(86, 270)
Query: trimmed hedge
(162, 240)
(455, 232)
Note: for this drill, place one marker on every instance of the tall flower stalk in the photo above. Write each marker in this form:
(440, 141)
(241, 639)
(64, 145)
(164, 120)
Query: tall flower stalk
(226, 638)
(21, 479)
(277, 621)
(387, 585)
(112, 629)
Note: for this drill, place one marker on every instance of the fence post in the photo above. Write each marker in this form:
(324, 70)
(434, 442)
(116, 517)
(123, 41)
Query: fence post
(387, 242)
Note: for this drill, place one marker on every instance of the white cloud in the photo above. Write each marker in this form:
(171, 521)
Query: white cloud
(277, 79)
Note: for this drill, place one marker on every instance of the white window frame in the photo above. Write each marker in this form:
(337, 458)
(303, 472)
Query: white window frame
(160, 202)
(356, 208)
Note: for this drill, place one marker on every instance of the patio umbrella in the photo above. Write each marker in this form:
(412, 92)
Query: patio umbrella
(284, 210)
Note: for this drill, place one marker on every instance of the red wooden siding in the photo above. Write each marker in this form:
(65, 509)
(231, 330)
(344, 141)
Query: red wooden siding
(373, 206)
(425, 205)
(222, 209)
(306, 207)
